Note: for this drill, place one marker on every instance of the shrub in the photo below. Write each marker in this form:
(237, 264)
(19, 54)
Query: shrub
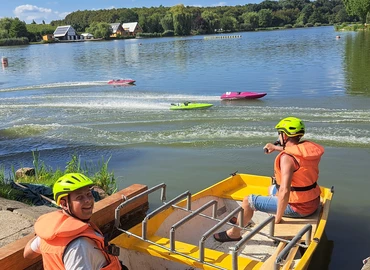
(168, 33)
(44, 175)
(14, 41)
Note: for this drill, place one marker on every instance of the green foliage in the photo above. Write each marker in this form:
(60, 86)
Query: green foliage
(100, 30)
(18, 29)
(105, 179)
(44, 175)
(168, 33)
(265, 17)
(40, 29)
(2, 174)
(167, 22)
(213, 20)
(149, 35)
(14, 41)
(358, 7)
(200, 20)
(251, 19)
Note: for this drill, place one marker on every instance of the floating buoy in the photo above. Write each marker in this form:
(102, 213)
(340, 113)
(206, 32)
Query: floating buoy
(221, 37)
(4, 61)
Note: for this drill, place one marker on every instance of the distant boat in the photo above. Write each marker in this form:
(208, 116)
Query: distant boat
(189, 106)
(121, 82)
(242, 95)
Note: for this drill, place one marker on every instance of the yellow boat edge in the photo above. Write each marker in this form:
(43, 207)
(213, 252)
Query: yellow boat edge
(228, 188)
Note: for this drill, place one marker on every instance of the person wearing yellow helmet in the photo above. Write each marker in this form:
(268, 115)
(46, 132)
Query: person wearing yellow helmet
(67, 239)
(296, 171)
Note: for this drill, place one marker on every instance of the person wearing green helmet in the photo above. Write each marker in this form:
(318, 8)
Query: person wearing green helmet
(67, 239)
(296, 171)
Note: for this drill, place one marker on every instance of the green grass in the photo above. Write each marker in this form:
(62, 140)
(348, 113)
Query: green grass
(45, 175)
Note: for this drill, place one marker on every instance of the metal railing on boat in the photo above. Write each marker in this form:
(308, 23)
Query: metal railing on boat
(234, 250)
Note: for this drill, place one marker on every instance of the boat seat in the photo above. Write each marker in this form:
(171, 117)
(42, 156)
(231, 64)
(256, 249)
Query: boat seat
(289, 227)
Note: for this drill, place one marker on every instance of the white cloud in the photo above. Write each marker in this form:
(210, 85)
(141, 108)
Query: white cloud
(28, 13)
(220, 4)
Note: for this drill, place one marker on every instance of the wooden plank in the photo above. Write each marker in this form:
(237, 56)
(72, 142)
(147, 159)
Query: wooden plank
(289, 227)
(290, 258)
(269, 263)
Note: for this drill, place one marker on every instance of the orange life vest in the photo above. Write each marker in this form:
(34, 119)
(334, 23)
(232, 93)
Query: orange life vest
(56, 230)
(304, 185)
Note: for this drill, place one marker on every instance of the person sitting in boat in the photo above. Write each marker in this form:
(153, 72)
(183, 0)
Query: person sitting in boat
(67, 239)
(296, 170)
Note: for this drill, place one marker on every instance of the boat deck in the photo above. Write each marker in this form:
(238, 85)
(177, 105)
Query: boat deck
(179, 233)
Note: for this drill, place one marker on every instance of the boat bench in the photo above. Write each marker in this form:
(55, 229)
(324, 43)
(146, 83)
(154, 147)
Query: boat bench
(288, 227)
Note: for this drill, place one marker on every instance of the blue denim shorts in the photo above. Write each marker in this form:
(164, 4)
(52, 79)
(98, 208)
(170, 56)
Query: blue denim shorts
(268, 204)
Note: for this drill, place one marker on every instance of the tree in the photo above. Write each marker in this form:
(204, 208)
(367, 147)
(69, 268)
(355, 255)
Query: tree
(100, 30)
(251, 18)
(229, 23)
(18, 29)
(5, 24)
(212, 19)
(181, 20)
(201, 26)
(358, 7)
(33, 22)
(43, 22)
(167, 22)
(265, 17)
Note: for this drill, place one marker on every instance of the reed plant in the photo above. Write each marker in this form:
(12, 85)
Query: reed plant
(46, 176)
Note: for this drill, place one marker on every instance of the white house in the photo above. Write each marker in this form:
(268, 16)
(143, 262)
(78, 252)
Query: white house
(65, 32)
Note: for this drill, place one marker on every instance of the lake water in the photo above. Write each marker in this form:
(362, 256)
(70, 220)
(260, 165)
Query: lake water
(55, 99)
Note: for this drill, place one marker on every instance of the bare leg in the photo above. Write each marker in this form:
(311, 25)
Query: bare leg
(234, 232)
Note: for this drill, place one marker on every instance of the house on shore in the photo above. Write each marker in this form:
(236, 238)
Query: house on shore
(87, 36)
(132, 28)
(65, 32)
(117, 30)
(48, 37)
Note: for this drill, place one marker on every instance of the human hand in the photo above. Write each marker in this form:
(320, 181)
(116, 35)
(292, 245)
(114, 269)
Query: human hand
(278, 220)
(269, 148)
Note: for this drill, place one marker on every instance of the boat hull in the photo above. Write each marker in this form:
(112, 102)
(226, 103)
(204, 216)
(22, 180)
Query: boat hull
(121, 82)
(168, 240)
(242, 95)
(190, 106)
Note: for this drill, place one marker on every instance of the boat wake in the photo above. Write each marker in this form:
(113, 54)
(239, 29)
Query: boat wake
(55, 85)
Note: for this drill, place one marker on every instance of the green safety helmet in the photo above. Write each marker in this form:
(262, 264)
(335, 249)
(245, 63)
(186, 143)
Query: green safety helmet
(291, 126)
(68, 183)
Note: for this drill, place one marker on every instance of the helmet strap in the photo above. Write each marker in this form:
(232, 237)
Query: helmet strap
(69, 210)
(282, 142)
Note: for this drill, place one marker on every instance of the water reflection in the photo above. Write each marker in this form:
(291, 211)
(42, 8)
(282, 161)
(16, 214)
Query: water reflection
(357, 59)
(322, 256)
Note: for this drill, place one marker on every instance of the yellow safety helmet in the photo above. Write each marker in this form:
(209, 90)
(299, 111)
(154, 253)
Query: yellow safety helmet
(68, 183)
(291, 126)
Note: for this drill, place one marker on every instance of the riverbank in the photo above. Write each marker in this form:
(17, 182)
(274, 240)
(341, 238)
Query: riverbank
(17, 219)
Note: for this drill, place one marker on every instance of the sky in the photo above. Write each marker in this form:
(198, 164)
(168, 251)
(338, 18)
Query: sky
(49, 10)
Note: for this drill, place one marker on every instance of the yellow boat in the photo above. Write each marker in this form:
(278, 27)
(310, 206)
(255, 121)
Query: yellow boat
(178, 234)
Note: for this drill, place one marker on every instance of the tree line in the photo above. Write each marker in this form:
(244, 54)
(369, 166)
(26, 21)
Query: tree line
(207, 20)
(180, 20)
